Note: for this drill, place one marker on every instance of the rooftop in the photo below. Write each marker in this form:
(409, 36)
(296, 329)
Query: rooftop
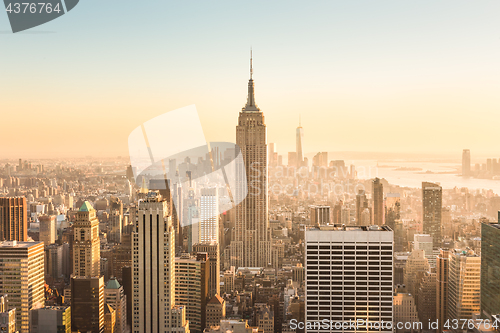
(113, 284)
(342, 227)
(86, 207)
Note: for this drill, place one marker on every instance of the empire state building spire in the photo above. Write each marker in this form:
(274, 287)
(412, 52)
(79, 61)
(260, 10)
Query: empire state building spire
(251, 106)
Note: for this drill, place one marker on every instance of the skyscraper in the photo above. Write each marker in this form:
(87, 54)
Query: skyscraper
(209, 216)
(361, 205)
(392, 209)
(191, 288)
(415, 268)
(490, 270)
(299, 136)
(13, 219)
(424, 242)
(212, 249)
(87, 304)
(320, 215)
(432, 197)
(251, 245)
(442, 272)
(22, 278)
(464, 285)
(378, 202)
(153, 257)
(114, 295)
(345, 264)
(466, 163)
(47, 229)
(87, 284)
(86, 244)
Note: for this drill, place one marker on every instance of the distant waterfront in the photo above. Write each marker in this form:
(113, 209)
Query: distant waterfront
(412, 174)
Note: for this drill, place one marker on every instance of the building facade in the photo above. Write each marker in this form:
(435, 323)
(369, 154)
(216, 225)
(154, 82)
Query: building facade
(51, 319)
(490, 270)
(251, 244)
(13, 219)
(24, 260)
(191, 288)
(212, 249)
(87, 304)
(432, 202)
(378, 201)
(464, 285)
(349, 275)
(153, 264)
(86, 243)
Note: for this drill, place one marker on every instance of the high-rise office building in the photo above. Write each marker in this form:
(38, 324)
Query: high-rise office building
(115, 227)
(392, 209)
(349, 275)
(87, 284)
(426, 297)
(86, 243)
(47, 229)
(466, 163)
(424, 242)
(51, 319)
(216, 311)
(13, 219)
(378, 202)
(209, 216)
(464, 285)
(212, 249)
(191, 288)
(320, 160)
(22, 278)
(415, 268)
(153, 260)
(320, 215)
(361, 206)
(87, 304)
(251, 245)
(405, 309)
(490, 270)
(114, 295)
(299, 137)
(442, 273)
(54, 257)
(432, 198)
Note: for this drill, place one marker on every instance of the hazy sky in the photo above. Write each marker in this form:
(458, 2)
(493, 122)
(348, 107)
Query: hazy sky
(395, 76)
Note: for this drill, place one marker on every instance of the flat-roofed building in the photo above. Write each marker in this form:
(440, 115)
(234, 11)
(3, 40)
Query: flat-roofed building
(349, 275)
(24, 260)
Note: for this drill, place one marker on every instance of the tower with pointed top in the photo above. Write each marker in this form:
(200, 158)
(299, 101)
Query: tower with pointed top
(299, 135)
(86, 245)
(251, 244)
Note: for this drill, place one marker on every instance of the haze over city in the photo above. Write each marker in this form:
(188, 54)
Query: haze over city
(365, 76)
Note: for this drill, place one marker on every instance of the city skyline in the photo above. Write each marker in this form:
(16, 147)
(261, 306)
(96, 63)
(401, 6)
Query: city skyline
(136, 196)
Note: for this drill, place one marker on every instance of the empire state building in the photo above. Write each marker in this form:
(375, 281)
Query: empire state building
(251, 243)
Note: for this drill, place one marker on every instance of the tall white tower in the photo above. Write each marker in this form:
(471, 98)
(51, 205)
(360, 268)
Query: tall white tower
(299, 136)
(209, 216)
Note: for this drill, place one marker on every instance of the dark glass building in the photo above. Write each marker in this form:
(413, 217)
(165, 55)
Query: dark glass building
(490, 270)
